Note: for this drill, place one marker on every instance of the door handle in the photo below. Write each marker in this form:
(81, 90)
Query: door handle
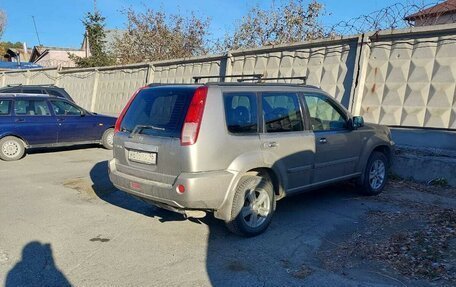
(20, 120)
(270, 144)
(60, 120)
(323, 140)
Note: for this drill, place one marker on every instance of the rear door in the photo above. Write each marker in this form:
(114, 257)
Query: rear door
(337, 146)
(284, 140)
(148, 144)
(74, 125)
(33, 121)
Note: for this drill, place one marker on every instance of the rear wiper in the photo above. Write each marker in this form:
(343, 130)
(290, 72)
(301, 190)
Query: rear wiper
(139, 128)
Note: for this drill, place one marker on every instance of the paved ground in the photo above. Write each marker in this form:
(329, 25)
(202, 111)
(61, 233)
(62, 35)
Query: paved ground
(63, 223)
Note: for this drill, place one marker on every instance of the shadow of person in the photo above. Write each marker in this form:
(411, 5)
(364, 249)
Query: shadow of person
(36, 268)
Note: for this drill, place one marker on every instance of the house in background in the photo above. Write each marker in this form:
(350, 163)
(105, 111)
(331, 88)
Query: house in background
(443, 13)
(110, 38)
(55, 56)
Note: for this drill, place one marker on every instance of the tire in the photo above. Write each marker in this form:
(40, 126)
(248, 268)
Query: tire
(246, 219)
(375, 174)
(107, 139)
(11, 148)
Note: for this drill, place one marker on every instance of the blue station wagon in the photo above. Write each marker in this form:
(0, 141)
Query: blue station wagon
(36, 121)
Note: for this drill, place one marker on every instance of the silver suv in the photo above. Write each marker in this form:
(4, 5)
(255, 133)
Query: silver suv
(234, 149)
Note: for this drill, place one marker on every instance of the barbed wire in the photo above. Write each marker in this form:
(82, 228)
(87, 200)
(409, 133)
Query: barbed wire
(391, 17)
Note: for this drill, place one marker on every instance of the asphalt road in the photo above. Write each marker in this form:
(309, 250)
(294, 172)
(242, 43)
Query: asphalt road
(63, 223)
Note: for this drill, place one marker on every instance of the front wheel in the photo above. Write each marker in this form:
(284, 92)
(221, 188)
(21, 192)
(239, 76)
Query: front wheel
(11, 148)
(253, 206)
(108, 139)
(375, 175)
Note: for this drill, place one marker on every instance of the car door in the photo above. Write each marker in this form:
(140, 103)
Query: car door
(33, 122)
(285, 141)
(337, 146)
(74, 124)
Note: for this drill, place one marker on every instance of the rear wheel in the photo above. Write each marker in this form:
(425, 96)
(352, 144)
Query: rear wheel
(108, 139)
(253, 206)
(11, 148)
(375, 175)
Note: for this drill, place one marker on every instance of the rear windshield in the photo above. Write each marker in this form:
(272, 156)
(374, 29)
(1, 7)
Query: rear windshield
(158, 111)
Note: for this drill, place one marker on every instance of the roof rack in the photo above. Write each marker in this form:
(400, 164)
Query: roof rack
(37, 85)
(25, 95)
(261, 79)
(253, 76)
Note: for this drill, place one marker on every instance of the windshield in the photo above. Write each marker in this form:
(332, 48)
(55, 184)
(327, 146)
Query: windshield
(158, 111)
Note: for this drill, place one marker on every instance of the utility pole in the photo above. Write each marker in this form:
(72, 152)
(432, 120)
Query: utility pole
(94, 6)
(36, 30)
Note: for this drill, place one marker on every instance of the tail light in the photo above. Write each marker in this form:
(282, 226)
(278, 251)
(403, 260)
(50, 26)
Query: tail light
(194, 116)
(125, 109)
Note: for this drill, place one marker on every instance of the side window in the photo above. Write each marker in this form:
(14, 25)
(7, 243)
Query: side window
(324, 115)
(62, 108)
(5, 108)
(31, 108)
(241, 112)
(281, 112)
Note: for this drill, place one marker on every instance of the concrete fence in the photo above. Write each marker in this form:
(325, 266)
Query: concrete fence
(403, 78)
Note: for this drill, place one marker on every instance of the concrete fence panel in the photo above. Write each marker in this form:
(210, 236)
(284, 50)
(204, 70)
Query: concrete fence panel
(42, 77)
(79, 84)
(15, 78)
(411, 78)
(329, 64)
(183, 70)
(116, 86)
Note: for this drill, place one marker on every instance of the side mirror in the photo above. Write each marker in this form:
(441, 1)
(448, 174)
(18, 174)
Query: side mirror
(357, 122)
(83, 113)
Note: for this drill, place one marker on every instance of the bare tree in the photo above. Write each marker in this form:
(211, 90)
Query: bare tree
(153, 35)
(2, 22)
(293, 21)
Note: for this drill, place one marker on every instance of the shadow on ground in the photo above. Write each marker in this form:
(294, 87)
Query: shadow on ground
(61, 149)
(106, 191)
(36, 268)
(288, 254)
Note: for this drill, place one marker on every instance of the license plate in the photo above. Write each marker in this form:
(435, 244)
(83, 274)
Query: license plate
(142, 157)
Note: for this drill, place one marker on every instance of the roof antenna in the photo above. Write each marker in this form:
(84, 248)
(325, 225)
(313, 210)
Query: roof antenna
(36, 30)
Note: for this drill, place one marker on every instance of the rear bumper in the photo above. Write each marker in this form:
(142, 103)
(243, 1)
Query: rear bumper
(203, 190)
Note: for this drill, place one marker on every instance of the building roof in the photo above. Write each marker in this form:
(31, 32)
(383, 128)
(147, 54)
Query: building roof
(14, 65)
(447, 7)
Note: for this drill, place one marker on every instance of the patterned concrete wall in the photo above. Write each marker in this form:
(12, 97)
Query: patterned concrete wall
(15, 78)
(42, 77)
(398, 78)
(79, 85)
(411, 79)
(115, 87)
(328, 64)
(184, 71)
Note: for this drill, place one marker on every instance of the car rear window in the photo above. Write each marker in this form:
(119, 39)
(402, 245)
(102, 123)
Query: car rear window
(5, 107)
(160, 111)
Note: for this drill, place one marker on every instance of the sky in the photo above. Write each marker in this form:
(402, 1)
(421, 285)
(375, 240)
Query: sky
(59, 21)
